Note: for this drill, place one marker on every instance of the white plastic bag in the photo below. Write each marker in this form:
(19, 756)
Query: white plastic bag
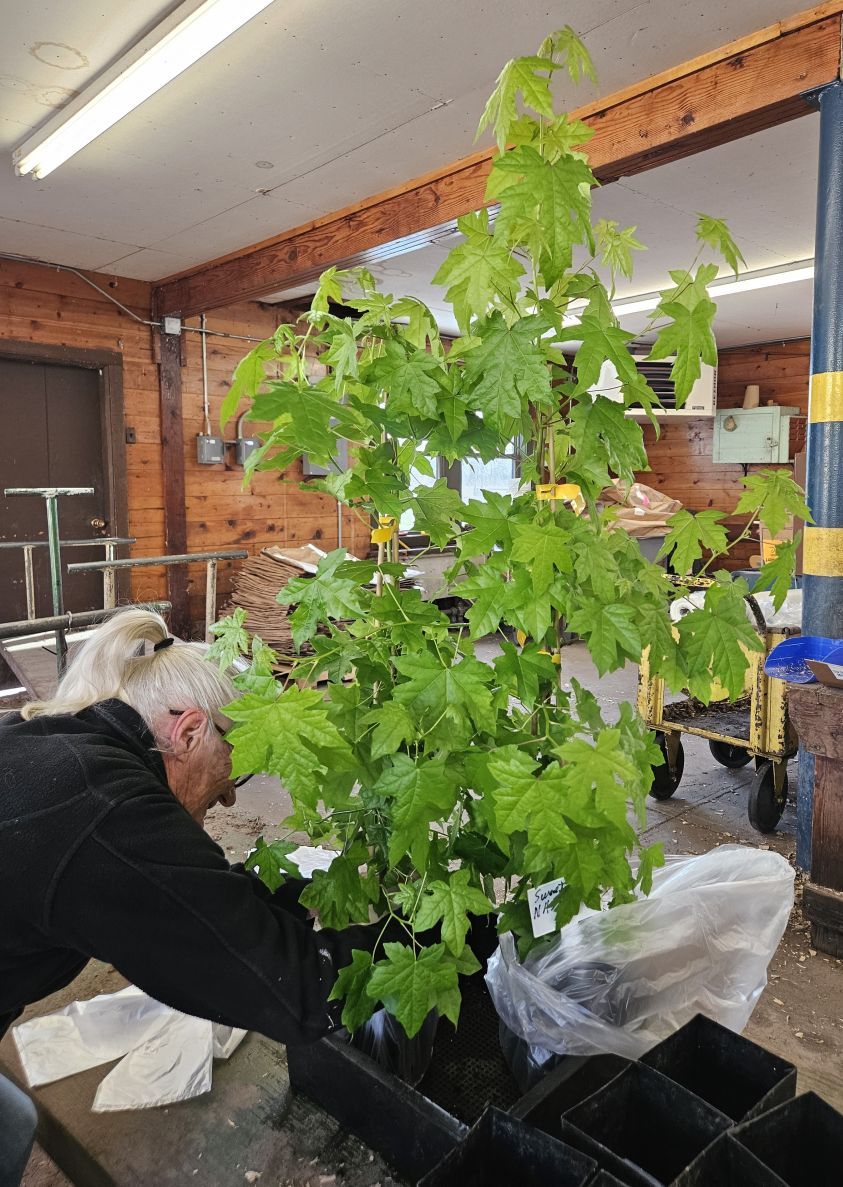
(621, 980)
(167, 1056)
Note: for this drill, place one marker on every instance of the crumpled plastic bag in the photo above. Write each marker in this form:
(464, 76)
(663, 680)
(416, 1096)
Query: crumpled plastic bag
(620, 980)
(167, 1056)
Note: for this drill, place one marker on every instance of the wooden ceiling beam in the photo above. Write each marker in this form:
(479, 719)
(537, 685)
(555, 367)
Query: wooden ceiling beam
(750, 85)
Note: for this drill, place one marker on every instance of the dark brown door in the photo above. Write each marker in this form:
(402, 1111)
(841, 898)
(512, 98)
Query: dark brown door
(51, 434)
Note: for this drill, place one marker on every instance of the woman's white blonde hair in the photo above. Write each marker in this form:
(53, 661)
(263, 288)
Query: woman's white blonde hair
(118, 661)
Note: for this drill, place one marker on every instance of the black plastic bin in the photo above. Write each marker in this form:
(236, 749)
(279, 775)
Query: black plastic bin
(735, 1075)
(642, 1127)
(604, 1179)
(501, 1151)
(726, 1163)
(574, 1079)
(800, 1141)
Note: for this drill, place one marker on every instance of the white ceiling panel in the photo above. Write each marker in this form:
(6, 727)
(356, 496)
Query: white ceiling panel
(320, 103)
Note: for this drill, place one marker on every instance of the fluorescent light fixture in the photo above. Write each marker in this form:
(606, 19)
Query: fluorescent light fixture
(189, 33)
(770, 278)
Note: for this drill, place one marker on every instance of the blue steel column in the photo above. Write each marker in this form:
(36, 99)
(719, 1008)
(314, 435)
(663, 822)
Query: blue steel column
(822, 553)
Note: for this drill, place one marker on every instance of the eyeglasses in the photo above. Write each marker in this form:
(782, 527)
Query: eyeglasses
(243, 778)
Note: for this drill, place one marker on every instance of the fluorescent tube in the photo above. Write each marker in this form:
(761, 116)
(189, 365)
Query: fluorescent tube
(178, 42)
(789, 274)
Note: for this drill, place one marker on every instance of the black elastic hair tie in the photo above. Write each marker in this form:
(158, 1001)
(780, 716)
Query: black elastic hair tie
(162, 643)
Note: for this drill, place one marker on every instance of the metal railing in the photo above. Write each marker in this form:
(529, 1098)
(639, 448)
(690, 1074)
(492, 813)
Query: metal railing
(110, 543)
(210, 558)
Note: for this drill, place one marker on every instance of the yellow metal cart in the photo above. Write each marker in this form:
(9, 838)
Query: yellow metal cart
(754, 727)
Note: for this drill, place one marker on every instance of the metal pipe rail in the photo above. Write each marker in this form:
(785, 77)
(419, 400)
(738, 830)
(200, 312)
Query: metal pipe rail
(66, 622)
(110, 543)
(209, 558)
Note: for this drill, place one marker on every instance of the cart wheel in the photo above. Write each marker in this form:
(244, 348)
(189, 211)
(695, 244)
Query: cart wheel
(765, 807)
(665, 782)
(730, 756)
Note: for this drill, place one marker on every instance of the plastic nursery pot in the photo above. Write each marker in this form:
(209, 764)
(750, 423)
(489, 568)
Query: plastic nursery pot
(735, 1075)
(501, 1151)
(384, 1039)
(642, 1127)
(800, 1141)
(726, 1163)
(575, 1078)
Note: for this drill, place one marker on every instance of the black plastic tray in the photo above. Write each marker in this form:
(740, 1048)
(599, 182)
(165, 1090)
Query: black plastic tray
(800, 1141)
(732, 1073)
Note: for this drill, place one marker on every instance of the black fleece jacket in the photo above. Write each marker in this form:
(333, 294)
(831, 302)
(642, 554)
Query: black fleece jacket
(99, 859)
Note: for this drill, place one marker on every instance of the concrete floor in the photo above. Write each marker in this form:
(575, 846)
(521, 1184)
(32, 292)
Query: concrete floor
(799, 1016)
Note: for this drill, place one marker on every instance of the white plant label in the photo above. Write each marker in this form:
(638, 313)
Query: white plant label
(542, 903)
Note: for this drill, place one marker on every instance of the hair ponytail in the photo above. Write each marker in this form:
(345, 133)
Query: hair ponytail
(129, 658)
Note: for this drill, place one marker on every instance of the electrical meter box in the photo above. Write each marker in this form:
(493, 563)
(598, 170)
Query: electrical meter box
(243, 446)
(210, 451)
(753, 434)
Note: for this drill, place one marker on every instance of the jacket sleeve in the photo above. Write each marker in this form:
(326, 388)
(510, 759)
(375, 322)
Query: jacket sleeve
(150, 893)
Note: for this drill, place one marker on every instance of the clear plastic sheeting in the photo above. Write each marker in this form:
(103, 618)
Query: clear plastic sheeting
(165, 1056)
(620, 980)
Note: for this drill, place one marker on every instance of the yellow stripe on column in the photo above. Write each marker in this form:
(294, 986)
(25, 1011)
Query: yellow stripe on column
(826, 397)
(822, 552)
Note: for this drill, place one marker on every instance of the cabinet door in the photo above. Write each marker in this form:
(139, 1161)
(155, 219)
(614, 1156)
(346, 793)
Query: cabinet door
(755, 437)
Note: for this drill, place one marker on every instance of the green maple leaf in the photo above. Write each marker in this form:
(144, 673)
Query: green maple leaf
(527, 77)
(523, 608)
(340, 894)
(351, 984)
(547, 549)
(270, 862)
(689, 289)
(341, 354)
(616, 246)
(525, 671)
(329, 291)
(507, 369)
(393, 727)
(421, 793)
(689, 337)
(303, 416)
(249, 376)
(289, 736)
(410, 985)
(689, 534)
(322, 597)
(487, 607)
(650, 858)
(711, 640)
(526, 801)
(447, 702)
(600, 342)
(491, 520)
(553, 198)
(451, 903)
(716, 234)
(436, 511)
(601, 430)
(665, 654)
(231, 639)
(409, 378)
(577, 59)
(479, 270)
(775, 498)
(421, 329)
(603, 767)
(777, 574)
(609, 632)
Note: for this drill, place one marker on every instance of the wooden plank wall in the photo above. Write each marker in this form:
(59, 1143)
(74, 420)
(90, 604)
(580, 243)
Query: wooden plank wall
(681, 458)
(273, 510)
(40, 305)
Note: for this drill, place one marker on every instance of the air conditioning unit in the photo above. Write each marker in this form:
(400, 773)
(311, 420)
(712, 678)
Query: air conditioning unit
(701, 401)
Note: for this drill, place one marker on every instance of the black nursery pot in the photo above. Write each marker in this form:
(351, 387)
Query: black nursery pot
(735, 1075)
(573, 1080)
(800, 1141)
(726, 1163)
(501, 1151)
(642, 1127)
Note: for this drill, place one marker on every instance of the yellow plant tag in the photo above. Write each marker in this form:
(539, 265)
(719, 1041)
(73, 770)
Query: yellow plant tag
(386, 529)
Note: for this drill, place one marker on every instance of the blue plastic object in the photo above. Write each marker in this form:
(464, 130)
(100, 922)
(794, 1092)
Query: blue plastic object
(788, 661)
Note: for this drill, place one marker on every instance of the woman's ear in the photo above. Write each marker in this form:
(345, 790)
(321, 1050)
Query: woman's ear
(189, 730)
